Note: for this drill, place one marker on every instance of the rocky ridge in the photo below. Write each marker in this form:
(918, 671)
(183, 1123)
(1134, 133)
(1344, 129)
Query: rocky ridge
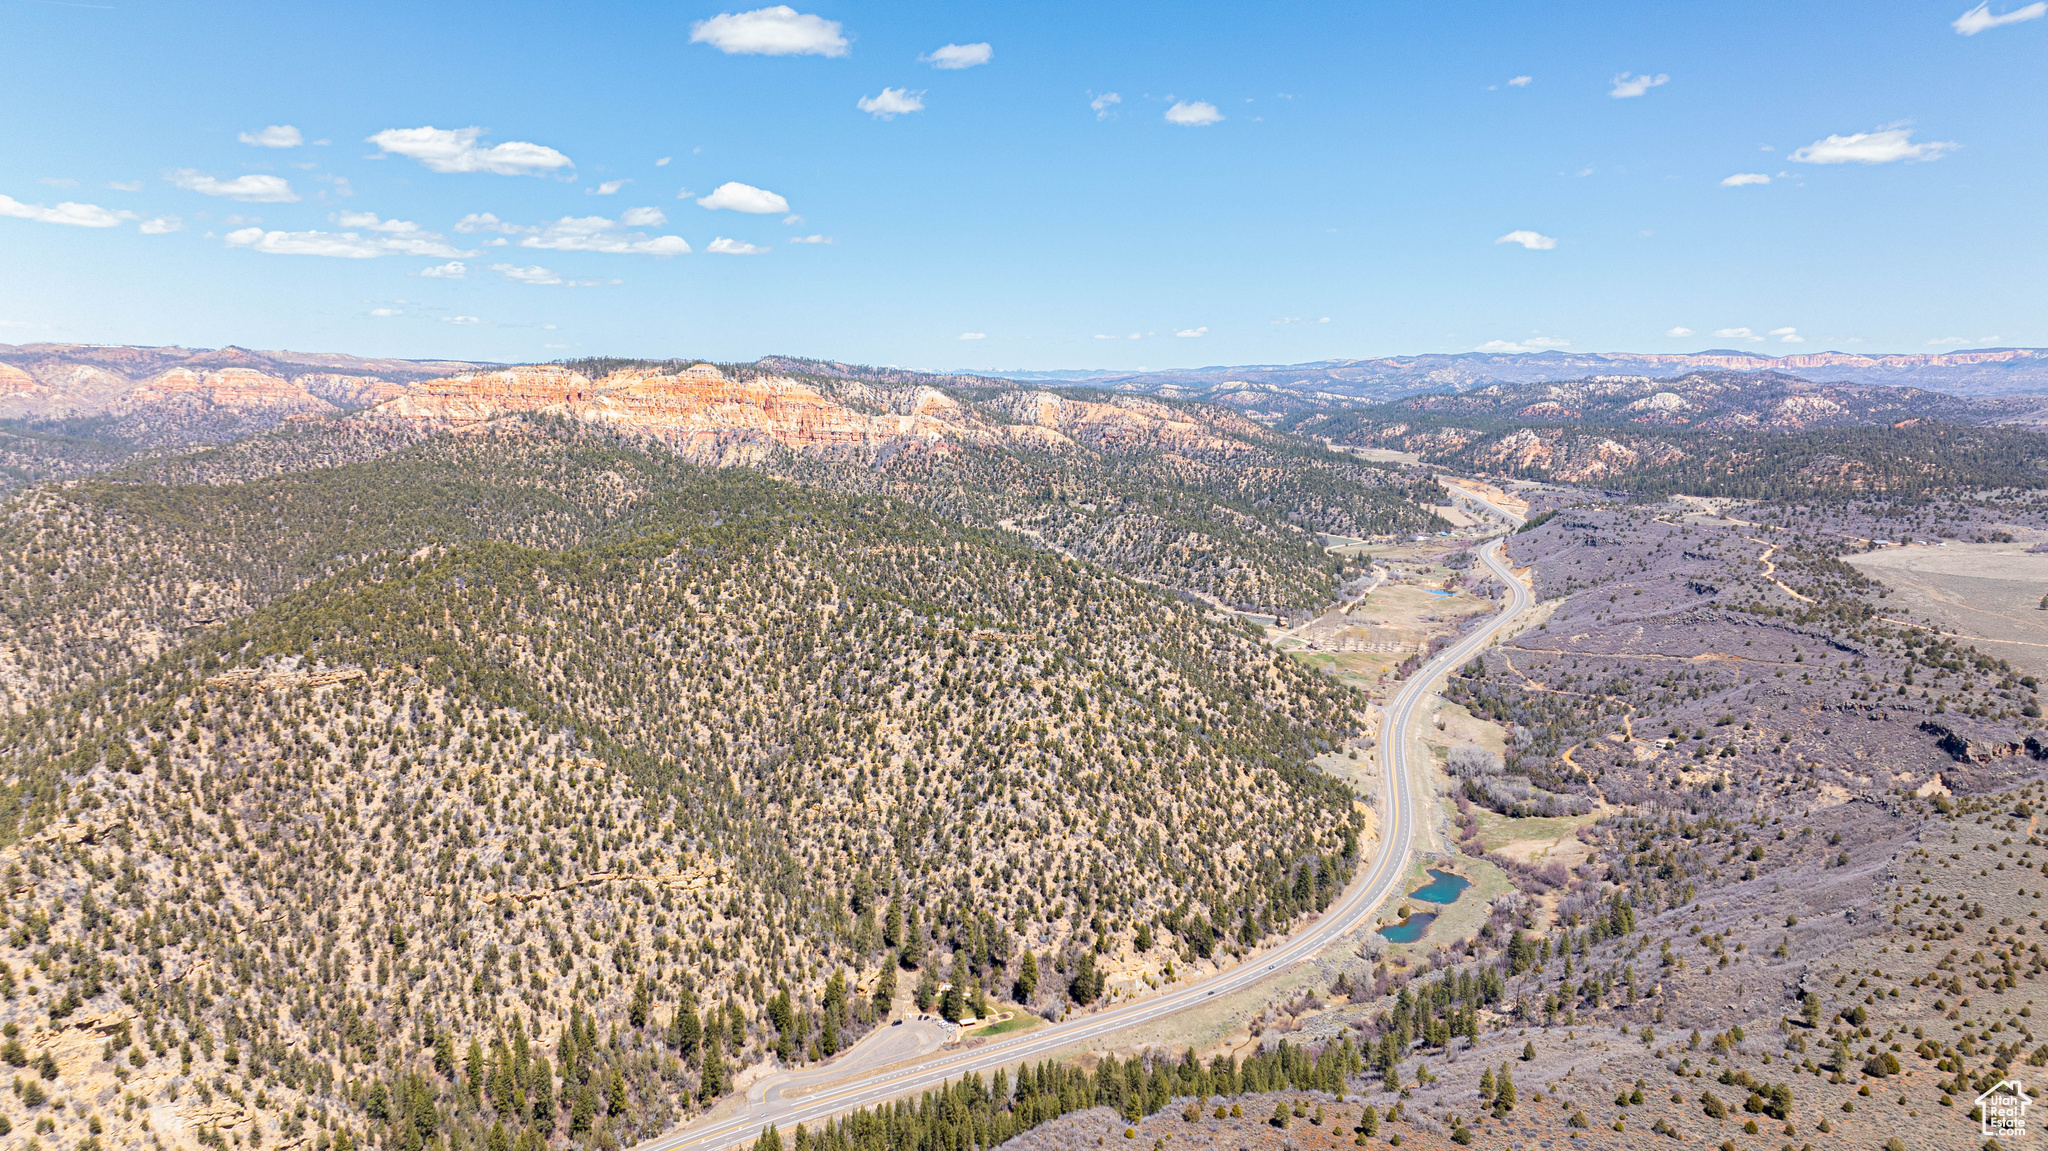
(708, 416)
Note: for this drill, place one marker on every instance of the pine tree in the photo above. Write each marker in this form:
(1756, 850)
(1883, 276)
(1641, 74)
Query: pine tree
(913, 943)
(542, 1096)
(685, 1031)
(712, 1083)
(885, 987)
(1027, 978)
(643, 1002)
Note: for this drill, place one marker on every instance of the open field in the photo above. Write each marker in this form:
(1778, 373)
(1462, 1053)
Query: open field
(1990, 593)
(1534, 838)
(1363, 648)
(1383, 455)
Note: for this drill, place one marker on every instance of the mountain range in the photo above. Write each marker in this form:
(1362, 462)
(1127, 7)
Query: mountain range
(1979, 372)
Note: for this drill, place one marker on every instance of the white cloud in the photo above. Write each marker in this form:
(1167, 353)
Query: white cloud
(456, 150)
(663, 162)
(893, 102)
(1981, 17)
(1678, 333)
(777, 31)
(385, 312)
(1788, 335)
(1880, 147)
(957, 56)
(733, 196)
(57, 181)
(583, 233)
(1520, 81)
(460, 320)
(725, 247)
(390, 227)
(77, 215)
(250, 189)
(1193, 114)
(396, 238)
(452, 270)
(1546, 342)
(1534, 241)
(161, 225)
(534, 274)
(1105, 105)
(275, 136)
(342, 245)
(1738, 334)
(485, 222)
(126, 185)
(1740, 179)
(1626, 85)
(972, 336)
(792, 220)
(814, 238)
(608, 188)
(598, 234)
(1188, 333)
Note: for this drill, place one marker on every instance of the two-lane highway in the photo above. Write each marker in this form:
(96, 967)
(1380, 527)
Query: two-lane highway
(1354, 907)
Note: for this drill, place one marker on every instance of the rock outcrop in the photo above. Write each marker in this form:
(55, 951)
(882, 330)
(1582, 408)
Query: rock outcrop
(707, 416)
(179, 397)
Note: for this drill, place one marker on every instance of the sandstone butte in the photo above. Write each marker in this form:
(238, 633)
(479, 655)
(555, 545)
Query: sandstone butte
(244, 389)
(699, 412)
(703, 415)
(63, 390)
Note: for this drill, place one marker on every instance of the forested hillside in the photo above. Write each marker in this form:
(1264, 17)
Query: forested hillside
(579, 778)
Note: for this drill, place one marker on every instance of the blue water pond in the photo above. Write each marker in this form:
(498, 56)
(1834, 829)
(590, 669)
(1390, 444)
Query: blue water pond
(1443, 887)
(1408, 930)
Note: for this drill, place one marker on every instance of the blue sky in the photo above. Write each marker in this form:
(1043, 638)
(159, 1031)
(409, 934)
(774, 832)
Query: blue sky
(1280, 182)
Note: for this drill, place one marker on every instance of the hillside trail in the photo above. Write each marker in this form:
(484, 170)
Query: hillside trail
(1770, 568)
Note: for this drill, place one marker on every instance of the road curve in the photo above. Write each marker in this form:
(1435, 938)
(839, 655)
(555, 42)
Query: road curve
(1355, 906)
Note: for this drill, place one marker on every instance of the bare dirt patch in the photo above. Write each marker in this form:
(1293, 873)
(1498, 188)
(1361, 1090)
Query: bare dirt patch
(1990, 593)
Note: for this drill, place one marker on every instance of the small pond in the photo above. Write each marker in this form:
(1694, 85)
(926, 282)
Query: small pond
(1443, 887)
(1410, 929)
(1441, 594)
